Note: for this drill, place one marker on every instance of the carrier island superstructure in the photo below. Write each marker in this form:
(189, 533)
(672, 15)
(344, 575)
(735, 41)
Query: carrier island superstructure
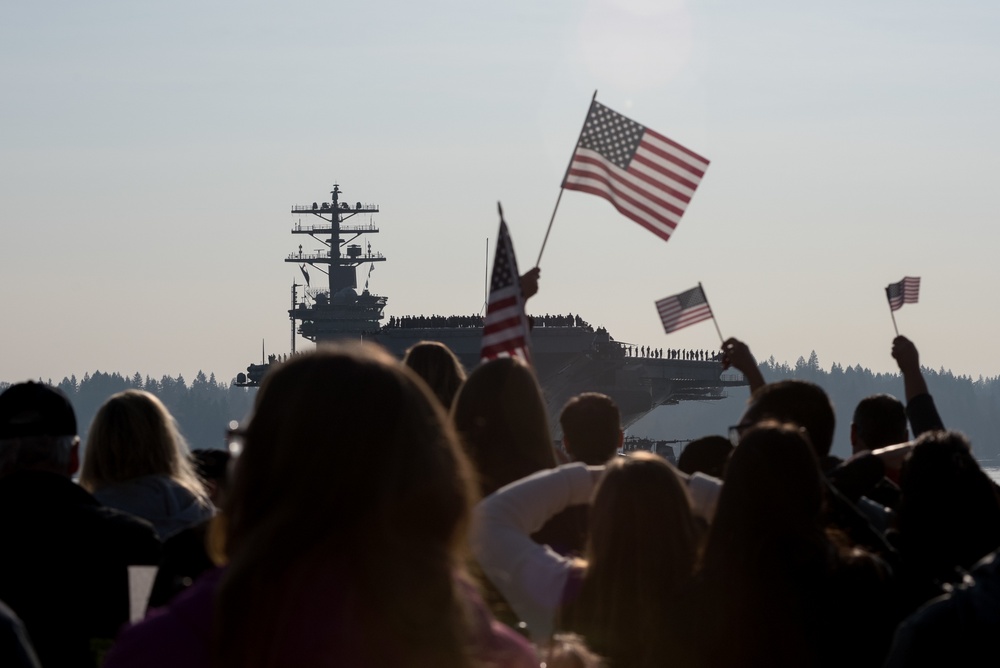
(570, 355)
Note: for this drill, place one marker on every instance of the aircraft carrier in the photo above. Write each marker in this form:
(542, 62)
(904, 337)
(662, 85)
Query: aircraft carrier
(570, 356)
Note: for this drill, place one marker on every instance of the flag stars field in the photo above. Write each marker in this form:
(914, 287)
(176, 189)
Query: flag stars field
(646, 176)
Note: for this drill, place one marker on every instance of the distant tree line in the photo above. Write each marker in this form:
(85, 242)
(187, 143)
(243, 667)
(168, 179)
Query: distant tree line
(203, 409)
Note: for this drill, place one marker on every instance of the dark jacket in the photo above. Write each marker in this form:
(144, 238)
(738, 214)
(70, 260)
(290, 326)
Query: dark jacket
(63, 565)
(959, 629)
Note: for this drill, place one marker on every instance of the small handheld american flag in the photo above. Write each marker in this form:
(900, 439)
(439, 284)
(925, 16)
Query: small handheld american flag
(680, 310)
(505, 327)
(905, 292)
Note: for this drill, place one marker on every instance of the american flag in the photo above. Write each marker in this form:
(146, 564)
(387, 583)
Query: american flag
(683, 309)
(505, 327)
(904, 292)
(646, 176)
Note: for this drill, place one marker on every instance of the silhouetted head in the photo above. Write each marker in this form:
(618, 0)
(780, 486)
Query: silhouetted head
(592, 428)
(346, 444)
(773, 487)
(37, 430)
(641, 516)
(799, 402)
(133, 435)
(707, 455)
(501, 420)
(347, 512)
(879, 420)
(948, 513)
(438, 366)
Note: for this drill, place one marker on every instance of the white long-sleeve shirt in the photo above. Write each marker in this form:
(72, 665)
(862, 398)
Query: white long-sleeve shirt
(530, 576)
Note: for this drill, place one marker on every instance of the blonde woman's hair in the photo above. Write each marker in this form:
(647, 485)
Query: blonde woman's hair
(132, 435)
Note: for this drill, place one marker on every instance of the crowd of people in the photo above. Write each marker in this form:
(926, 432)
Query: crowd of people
(377, 512)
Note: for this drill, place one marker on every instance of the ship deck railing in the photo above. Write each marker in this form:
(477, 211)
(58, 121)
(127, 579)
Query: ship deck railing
(299, 227)
(309, 208)
(363, 296)
(360, 259)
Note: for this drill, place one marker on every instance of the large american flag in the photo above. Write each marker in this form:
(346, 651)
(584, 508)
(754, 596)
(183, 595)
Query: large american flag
(505, 327)
(646, 176)
(904, 292)
(681, 310)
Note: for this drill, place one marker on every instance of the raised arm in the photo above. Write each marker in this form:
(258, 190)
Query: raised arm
(920, 408)
(530, 576)
(737, 355)
(908, 359)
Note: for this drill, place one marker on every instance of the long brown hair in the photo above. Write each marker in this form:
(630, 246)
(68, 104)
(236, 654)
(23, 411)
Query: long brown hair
(346, 521)
(501, 419)
(768, 558)
(437, 366)
(641, 552)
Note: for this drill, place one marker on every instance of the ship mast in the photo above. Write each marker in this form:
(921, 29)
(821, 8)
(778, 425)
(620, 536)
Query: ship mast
(339, 311)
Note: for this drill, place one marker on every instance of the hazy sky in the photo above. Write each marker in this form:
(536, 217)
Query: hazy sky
(150, 153)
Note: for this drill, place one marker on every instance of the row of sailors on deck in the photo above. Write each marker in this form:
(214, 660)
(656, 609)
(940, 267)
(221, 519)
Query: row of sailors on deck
(671, 353)
(418, 321)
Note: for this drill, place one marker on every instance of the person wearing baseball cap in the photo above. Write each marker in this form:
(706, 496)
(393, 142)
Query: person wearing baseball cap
(65, 557)
(37, 429)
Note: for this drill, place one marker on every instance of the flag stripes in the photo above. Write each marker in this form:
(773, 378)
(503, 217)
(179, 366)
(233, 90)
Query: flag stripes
(505, 326)
(646, 176)
(907, 291)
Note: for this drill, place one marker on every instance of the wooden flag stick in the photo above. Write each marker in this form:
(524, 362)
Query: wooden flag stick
(549, 228)
(891, 312)
(558, 199)
(718, 331)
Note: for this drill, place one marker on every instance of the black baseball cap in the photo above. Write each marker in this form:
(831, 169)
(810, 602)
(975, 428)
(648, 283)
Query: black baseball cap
(33, 409)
